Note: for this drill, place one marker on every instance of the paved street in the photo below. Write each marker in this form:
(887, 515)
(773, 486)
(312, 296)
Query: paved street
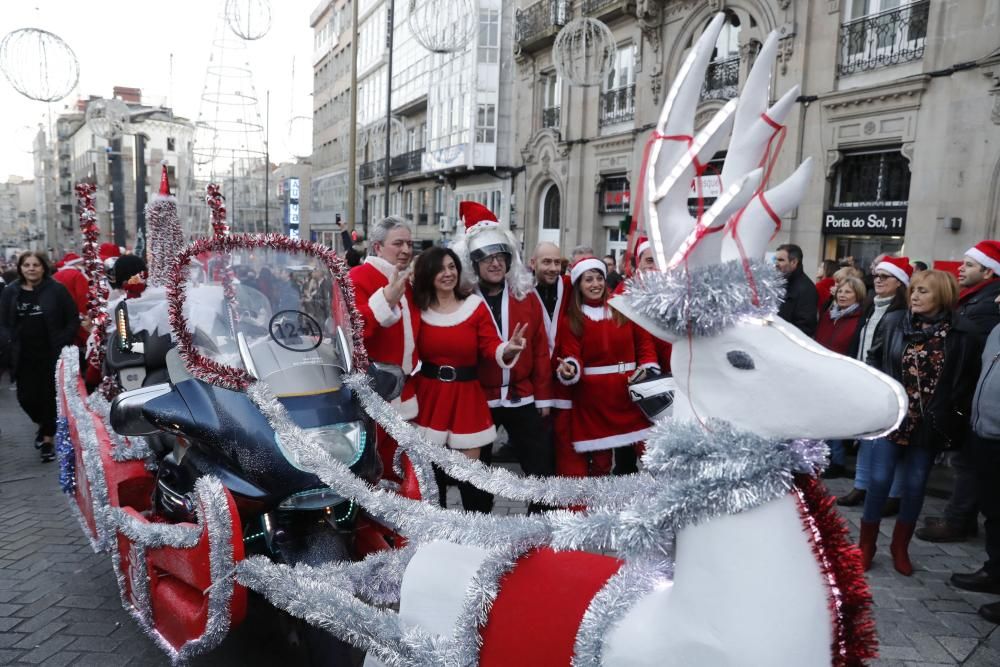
(59, 602)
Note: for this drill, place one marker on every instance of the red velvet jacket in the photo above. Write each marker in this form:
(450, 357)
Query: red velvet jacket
(530, 380)
(390, 334)
(560, 396)
(837, 335)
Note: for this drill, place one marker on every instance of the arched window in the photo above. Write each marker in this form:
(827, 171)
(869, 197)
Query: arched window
(548, 214)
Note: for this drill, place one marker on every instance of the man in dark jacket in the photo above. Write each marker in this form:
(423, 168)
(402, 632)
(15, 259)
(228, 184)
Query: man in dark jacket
(979, 278)
(799, 307)
(984, 446)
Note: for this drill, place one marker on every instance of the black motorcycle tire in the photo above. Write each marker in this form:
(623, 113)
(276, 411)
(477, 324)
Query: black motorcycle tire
(317, 647)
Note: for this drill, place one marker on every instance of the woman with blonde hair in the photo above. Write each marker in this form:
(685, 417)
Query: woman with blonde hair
(935, 356)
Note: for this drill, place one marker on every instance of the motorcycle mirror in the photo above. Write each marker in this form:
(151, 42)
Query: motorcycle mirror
(387, 380)
(126, 410)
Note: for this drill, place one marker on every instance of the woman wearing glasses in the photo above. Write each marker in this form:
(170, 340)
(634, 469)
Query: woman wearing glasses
(891, 276)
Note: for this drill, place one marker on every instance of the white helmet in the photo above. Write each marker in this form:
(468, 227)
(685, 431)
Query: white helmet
(654, 394)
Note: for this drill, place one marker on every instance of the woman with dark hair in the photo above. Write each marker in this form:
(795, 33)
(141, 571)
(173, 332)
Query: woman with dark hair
(37, 319)
(456, 331)
(936, 358)
(598, 350)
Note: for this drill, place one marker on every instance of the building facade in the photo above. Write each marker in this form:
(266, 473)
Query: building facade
(899, 106)
(126, 170)
(19, 219)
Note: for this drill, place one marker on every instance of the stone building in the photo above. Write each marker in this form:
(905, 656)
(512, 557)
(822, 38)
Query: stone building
(155, 133)
(899, 106)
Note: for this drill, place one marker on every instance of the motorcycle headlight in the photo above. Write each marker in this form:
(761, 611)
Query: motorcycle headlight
(344, 442)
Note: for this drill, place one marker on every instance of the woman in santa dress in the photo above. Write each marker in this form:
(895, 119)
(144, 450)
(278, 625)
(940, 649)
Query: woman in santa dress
(456, 331)
(597, 352)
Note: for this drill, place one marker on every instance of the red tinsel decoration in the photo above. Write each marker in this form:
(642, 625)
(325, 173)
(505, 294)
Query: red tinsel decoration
(93, 268)
(238, 379)
(217, 203)
(854, 639)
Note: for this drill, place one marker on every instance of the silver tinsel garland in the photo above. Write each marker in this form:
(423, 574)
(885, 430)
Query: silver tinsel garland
(633, 580)
(705, 300)
(564, 491)
(166, 240)
(130, 448)
(67, 374)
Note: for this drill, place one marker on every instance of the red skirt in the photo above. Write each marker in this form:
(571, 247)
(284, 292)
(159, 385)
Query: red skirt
(453, 413)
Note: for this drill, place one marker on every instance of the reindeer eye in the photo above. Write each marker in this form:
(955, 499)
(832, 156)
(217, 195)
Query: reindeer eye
(740, 359)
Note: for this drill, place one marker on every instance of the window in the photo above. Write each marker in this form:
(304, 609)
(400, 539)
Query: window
(882, 32)
(550, 208)
(873, 179)
(424, 202)
(551, 96)
(618, 97)
(170, 144)
(439, 200)
(486, 124)
(489, 36)
(723, 76)
(408, 198)
(614, 195)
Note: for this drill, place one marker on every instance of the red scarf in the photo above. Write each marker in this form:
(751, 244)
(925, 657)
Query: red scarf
(969, 291)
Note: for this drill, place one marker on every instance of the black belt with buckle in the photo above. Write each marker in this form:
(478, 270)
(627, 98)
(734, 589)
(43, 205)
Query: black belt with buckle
(449, 373)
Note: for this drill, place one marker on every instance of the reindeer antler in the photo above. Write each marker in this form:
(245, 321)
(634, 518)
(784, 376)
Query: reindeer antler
(747, 214)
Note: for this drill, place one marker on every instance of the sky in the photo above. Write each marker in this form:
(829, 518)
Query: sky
(129, 43)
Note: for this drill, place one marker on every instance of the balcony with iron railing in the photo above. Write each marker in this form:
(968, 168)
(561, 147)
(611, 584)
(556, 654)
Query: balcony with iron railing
(537, 25)
(550, 117)
(617, 106)
(608, 9)
(399, 165)
(722, 81)
(888, 38)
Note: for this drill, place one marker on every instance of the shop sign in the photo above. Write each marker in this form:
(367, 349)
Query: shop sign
(878, 222)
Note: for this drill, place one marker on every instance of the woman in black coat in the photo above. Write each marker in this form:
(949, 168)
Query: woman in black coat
(935, 357)
(37, 319)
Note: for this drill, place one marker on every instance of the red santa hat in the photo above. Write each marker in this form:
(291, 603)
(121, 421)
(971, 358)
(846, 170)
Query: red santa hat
(898, 267)
(108, 250)
(986, 253)
(476, 216)
(641, 246)
(70, 259)
(585, 264)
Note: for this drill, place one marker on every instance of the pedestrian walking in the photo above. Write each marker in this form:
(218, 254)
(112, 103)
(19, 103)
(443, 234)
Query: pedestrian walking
(37, 319)
(456, 333)
(801, 301)
(935, 357)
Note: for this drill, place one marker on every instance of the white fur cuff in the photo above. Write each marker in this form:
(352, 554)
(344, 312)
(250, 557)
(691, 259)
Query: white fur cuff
(576, 376)
(499, 356)
(385, 315)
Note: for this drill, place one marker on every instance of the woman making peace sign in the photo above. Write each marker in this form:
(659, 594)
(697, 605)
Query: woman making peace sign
(456, 331)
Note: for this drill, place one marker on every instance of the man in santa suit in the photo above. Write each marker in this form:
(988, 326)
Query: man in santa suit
(391, 321)
(552, 289)
(520, 396)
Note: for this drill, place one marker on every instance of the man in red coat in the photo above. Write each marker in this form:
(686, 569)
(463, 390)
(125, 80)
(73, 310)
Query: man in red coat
(490, 259)
(391, 320)
(71, 277)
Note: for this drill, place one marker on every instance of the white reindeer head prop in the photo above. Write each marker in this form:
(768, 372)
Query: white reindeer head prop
(715, 298)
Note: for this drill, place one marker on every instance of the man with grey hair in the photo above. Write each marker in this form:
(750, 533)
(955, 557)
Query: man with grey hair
(581, 251)
(384, 299)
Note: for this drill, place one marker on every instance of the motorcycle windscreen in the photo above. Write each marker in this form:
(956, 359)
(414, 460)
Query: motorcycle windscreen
(275, 313)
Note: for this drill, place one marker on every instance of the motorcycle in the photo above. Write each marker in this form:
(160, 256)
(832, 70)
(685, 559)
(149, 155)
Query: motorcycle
(292, 336)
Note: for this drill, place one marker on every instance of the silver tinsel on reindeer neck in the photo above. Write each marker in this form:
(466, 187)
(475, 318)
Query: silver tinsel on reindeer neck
(705, 300)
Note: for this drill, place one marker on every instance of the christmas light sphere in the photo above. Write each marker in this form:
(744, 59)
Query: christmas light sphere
(300, 136)
(39, 65)
(107, 119)
(584, 52)
(374, 137)
(445, 26)
(249, 19)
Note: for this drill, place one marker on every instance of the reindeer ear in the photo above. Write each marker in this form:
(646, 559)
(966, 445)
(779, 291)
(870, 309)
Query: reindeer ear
(708, 249)
(621, 304)
(754, 229)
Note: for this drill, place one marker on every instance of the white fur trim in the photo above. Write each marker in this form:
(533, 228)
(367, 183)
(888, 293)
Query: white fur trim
(507, 403)
(595, 313)
(552, 322)
(407, 409)
(434, 318)
(460, 440)
(384, 314)
(620, 440)
(576, 378)
(585, 265)
(408, 342)
(984, 259)
(899, 273)
(642, 247)
(650, 365)
(499, 357)
(385, 268)
(556, 403)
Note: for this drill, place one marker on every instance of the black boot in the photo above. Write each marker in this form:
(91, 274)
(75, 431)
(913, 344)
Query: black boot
(853, 499)
(48, 451)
